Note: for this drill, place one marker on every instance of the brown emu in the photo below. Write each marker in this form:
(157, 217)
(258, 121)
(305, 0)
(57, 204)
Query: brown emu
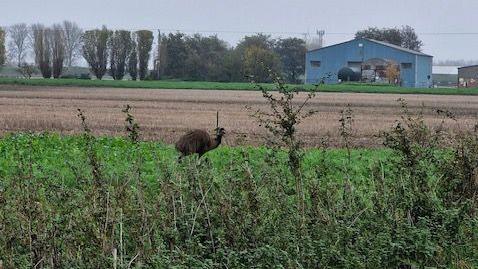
(198, 141)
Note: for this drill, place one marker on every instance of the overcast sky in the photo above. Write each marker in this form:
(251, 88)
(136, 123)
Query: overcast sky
(291, 16)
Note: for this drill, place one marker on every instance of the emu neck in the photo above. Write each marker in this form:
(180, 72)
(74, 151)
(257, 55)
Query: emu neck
(218, 140)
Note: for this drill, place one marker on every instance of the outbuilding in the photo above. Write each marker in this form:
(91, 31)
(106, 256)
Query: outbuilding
(369, 60)
(468, 76)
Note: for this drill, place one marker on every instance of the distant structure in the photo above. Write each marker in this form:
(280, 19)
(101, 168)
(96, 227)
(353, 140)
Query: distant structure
(367, 60)
(315, 41)
(468, 76)
(445, 69)
(445, 76)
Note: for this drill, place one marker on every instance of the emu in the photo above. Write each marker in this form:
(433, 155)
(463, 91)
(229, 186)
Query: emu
(198, 141)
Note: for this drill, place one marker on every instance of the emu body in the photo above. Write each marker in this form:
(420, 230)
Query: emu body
(198, 141)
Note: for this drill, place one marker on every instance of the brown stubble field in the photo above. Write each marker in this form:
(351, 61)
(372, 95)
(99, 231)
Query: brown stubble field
(164, 114)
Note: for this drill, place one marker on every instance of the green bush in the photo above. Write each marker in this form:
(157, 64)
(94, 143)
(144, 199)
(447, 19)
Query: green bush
(68, 76)
(76, 76)
(86, 76)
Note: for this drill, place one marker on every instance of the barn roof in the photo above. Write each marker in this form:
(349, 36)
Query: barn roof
(381, 43)
(476, 65)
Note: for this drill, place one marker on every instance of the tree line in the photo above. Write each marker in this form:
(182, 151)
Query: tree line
(209, 58)
(176, 55)
(52, 47)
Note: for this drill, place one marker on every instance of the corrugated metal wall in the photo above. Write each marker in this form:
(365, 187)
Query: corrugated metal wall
(324, 64)
(468, 77)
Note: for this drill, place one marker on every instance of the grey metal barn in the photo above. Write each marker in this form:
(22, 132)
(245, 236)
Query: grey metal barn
(367, 59)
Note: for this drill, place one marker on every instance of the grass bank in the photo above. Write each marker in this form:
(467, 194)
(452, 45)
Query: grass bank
(171, 84)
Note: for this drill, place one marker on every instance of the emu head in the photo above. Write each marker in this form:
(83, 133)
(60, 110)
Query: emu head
(220, 132)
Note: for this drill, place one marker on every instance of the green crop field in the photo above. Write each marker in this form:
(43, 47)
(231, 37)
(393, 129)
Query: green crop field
(86, 202)
(173, 84)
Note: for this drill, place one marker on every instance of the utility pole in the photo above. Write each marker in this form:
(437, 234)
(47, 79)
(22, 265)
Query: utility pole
(321, 34)
(157, 61)
(361, 64)
(314, 41)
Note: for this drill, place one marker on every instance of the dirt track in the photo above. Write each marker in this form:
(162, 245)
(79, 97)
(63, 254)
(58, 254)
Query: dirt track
(165, 114)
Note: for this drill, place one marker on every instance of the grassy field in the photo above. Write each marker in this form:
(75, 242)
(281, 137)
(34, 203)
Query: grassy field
(171, 84)
(85, 202)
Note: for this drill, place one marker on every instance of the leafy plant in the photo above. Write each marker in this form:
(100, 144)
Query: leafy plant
(282, 121)
(27, 70)
(132, 127)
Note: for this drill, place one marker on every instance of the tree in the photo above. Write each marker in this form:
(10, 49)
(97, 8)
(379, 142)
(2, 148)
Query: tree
(291, 52)
(2, 47)
(120, 49)
(404, 37)
(194, 68)
(233, 66)
(42, 48)
(133, 59)
(205, 58)
(258, 57)
(392, 73)
(194, 57)
(95, 50)
(259, 40)
(173, 55)
(392, 36)
(72, 36)
(389, 35)
(58, 50)
(410, 39)
(19, 42)
(145, 43)
(259, 62)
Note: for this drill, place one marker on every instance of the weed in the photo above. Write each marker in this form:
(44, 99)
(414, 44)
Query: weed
(132, 127)
(282, 121)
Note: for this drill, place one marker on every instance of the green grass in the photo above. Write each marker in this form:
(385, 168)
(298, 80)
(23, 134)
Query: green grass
(173, 84)
(73, 201)
(114, 151)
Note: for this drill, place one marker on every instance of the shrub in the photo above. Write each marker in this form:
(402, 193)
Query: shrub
(76, 76)
(27, 70)
(69, 76)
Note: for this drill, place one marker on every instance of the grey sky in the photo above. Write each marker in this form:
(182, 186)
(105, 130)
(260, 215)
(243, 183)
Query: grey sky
(340, 16)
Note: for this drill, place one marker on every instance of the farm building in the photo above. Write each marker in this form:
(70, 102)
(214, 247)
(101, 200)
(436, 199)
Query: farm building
(445, 75)
(368, 60)
(468, 76)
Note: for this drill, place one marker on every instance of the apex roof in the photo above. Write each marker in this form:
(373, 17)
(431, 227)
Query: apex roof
(381, 43)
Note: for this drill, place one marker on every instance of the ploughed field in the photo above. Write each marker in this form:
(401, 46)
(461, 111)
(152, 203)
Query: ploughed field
(165, 114)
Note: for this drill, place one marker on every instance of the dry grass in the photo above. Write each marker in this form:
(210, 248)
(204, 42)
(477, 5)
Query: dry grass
(165, 114)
